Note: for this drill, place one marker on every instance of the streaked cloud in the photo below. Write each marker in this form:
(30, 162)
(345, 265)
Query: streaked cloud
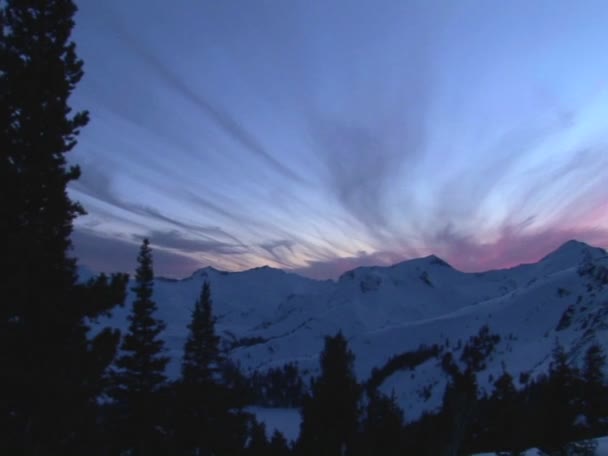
(320, 137)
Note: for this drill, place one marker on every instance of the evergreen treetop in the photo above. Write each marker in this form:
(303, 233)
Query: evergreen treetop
(201, 350)
(595, 391)
(595, 360)
(208, 419)
(142, 364)
(139, 380)
(330, 415)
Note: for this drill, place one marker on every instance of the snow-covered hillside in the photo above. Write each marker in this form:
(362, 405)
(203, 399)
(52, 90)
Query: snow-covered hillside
(269, 317)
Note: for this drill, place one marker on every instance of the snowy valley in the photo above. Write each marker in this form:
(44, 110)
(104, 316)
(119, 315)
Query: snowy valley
(267, 317)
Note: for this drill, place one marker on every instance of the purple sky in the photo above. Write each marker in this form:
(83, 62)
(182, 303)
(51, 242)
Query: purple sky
(319, 136)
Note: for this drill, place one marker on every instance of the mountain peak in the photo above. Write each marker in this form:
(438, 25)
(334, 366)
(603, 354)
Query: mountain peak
(432, 260)
(435, 260)
(410, 264)
(206, 271)
(573, 252)
(264, 268)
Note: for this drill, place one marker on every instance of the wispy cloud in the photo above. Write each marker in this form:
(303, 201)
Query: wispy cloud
(118, 254)
(174, 239)
(310, 139)
(226, 122)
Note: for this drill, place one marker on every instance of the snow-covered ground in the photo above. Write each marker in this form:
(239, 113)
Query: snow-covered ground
(269, 317)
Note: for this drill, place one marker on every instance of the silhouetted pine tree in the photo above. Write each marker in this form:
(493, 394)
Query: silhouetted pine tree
(51, 373)
(330, 414)
(458, 413)
(140, 374)
(278, 445)
(258, 444)
(201, 351)
(420, 437)
(595, 392)
(382, 427)
(203, 403)
(561, 404)
(278, 386)
(501, 418)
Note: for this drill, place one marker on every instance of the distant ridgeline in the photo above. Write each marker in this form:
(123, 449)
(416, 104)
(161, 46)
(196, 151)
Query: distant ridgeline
(417, 358)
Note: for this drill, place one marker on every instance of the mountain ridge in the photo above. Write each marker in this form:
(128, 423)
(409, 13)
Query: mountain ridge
(570, 246)
(567, 246)
(268, 317)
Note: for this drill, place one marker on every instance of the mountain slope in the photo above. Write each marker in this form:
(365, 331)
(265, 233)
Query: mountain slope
(268, 317)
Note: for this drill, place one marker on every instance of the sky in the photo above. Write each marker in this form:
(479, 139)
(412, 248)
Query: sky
(318, 136)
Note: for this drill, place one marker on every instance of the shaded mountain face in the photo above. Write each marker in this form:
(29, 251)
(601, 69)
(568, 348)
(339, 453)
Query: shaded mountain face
(268, 317)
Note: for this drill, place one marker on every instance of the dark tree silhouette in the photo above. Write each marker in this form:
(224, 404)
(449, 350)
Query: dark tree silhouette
(595, 393)
(278, 445)
(207, 412)
(140, 374)
(201, 351)
(382, 426)
(560, 404)
(330, 414)
(278, 386)
(51, 371)
(258, 444)
(501, 418)
(458, 412)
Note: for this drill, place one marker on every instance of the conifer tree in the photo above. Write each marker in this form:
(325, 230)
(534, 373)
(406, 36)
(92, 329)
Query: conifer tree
(201, 351)
(278, 445)
(258, 444)
(51, 371)
(458, 411)
(595, 392)
(330, 415)
(208, 419)
(199, 396)
(502, 421)
(382, 426)
(140, 374)
(561, 404)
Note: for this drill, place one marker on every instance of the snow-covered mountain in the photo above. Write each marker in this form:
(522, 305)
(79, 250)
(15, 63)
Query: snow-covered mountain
(269, 317)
